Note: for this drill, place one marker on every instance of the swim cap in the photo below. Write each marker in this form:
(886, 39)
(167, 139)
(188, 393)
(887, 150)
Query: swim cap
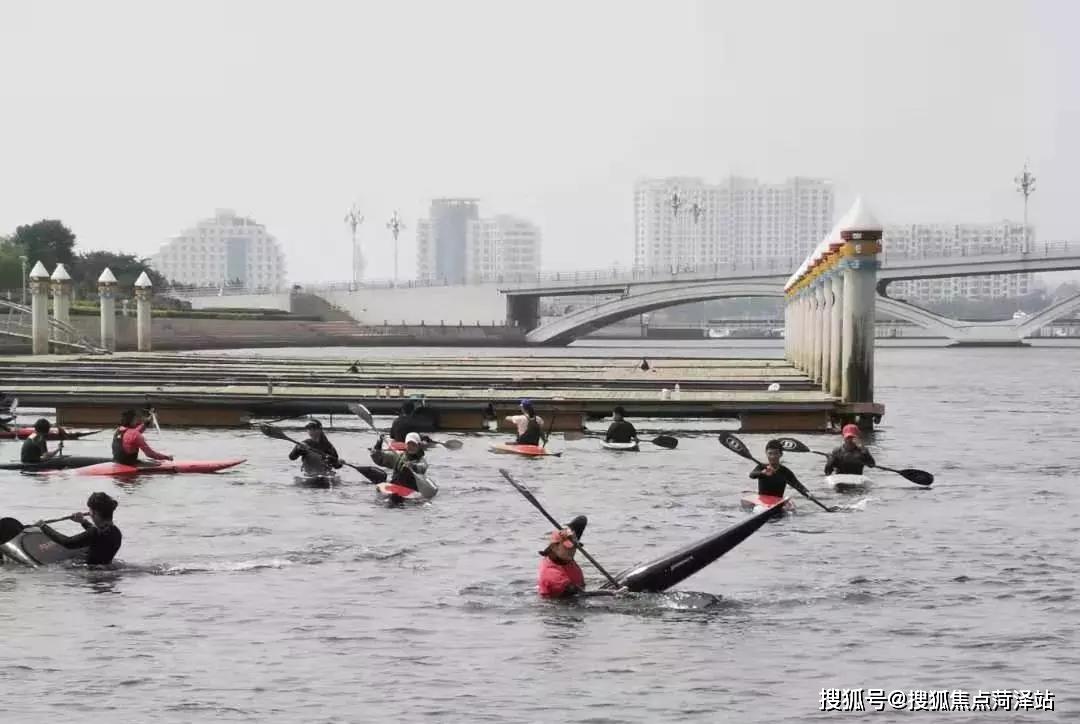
(313, 425)
(42, 425)
(774, 445)
(413, 437)
(102, 504)
(850, 431)
(525, 402)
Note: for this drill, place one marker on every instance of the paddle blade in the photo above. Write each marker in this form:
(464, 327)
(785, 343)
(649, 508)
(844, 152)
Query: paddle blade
(373, 474)
(363, 413)
(9, 528)
(573, 435)
(453, 444)
(666, 441)
(919, 477)
(271, 431)
(790, 444)
(735, 445)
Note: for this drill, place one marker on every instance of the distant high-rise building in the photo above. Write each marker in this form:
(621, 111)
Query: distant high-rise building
(457, 246)
(441, 239)
(944, 240)
(683, 222)
(226, 249)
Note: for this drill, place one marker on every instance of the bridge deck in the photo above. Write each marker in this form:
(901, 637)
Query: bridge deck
(227, 390)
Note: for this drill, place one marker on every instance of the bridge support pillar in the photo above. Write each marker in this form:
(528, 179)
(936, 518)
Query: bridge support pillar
(39, 309)
(817, 302)
(825, 322)
(862, 242)
(143, 295)
(62, 291)
(804, 338)
(836, 291)
(107, 295)
(523, 312)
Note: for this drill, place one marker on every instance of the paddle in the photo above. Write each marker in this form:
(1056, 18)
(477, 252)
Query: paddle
(536, 504)
(919, 477)
(365, 414)
(737, 446)
(665, 441)
(375, 475)
(10, 527)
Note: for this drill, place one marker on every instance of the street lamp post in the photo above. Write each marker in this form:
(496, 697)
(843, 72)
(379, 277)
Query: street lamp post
(23, 259)
(354, 218)
(1025, 184)
(395, 224)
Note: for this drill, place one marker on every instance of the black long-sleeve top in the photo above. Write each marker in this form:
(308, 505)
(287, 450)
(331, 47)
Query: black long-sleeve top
(101, 543)
(849, 462)
(776, 483)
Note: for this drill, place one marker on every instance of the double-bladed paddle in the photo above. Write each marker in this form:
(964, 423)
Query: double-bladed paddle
(375, 475)
(536, 504)
(737, 446)
(665, 441)
(919, 477)
(365, 414)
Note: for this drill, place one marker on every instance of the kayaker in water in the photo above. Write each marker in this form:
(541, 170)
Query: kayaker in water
(530, 426)
(560, 576)
(404, 466)
(851, 457)
(408, 421)
(128, 440)
(100, 537)
(620, 430)
(774, 477)
(317, 452)
(35, 448)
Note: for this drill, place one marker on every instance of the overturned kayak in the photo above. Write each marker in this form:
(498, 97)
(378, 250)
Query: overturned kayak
(755, 503)
(61, 462)
(663, 573)
(33, 548)
(847, 483)
(166, 467)
(21, 433)
(531, 451)
(620, 446)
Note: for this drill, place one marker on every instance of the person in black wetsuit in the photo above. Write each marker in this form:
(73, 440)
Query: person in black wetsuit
(774, 478)
(317, 452)
(621, 430)
(530, 426)
(100, 537)
(35, 448)
(851, 457)
(408, 421)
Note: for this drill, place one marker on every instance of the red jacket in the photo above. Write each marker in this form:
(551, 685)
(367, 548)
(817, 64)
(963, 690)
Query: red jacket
(133, 441)
(553, 579)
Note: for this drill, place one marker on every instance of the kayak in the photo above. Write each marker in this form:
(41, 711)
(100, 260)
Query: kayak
(21, 433)
(755, 503)
(61, 462)
(393, 493)
(33, 548)
(663, 573)
(397, 446)
(848, 483)
(163, 467)
(531, 451)
(620, 446)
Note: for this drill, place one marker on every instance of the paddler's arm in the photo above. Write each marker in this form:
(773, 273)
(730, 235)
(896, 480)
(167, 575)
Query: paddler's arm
(607, 435)
(830, 463)
(794, 482)
(756, 472)
(80, 540)
(383, 458)
(331, 455)
(868, 459)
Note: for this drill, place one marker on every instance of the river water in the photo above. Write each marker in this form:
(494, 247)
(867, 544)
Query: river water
(245, 598)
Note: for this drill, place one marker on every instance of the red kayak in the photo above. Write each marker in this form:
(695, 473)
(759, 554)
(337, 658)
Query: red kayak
(757, 503)
(397, 446)
(163, 467)
(532, 451)
(21, 433)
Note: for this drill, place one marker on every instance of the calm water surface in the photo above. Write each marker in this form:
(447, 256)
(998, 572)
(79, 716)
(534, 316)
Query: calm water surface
(245, 598)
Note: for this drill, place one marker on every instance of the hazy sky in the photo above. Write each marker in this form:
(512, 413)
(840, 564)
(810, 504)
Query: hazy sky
(131, 120)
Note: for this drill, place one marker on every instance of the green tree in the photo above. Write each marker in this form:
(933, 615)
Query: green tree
(87, 267)
(47, 241)
(10, 266)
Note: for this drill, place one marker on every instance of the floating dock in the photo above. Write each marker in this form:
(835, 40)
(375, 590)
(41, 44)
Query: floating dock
(228, 391)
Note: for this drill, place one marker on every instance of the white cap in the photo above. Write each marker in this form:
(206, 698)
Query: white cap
(413, 437)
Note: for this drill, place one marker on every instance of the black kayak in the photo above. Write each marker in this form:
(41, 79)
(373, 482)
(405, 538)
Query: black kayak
(663, 573)
(31, 547)
(61, 462)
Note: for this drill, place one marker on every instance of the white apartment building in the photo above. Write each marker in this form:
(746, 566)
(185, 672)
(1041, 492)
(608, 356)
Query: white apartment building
(944, 240)
(739, 219)
(225, 249)
(456, 245)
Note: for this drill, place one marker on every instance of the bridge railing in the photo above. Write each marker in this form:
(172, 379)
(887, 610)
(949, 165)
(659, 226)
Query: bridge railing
(16, 321)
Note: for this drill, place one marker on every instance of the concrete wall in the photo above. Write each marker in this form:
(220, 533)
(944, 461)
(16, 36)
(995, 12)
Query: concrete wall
(240, 301)
(431, 305)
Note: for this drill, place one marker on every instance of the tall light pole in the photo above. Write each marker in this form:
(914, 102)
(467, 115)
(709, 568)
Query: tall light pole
(395, 224)
(23, 259)
(354, 218)
(1025, 184)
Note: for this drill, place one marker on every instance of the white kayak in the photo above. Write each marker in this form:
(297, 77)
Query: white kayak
(847, 483)
(620, 446)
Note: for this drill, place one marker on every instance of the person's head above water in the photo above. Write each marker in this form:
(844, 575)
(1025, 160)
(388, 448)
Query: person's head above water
(101, 508)
(42, 426)
(129, 418)
(561, 546)
(527, 408)
(851, 435)
(619, 412)
(773, 452)
(408, 407)
(413, 443)
(314, 429)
